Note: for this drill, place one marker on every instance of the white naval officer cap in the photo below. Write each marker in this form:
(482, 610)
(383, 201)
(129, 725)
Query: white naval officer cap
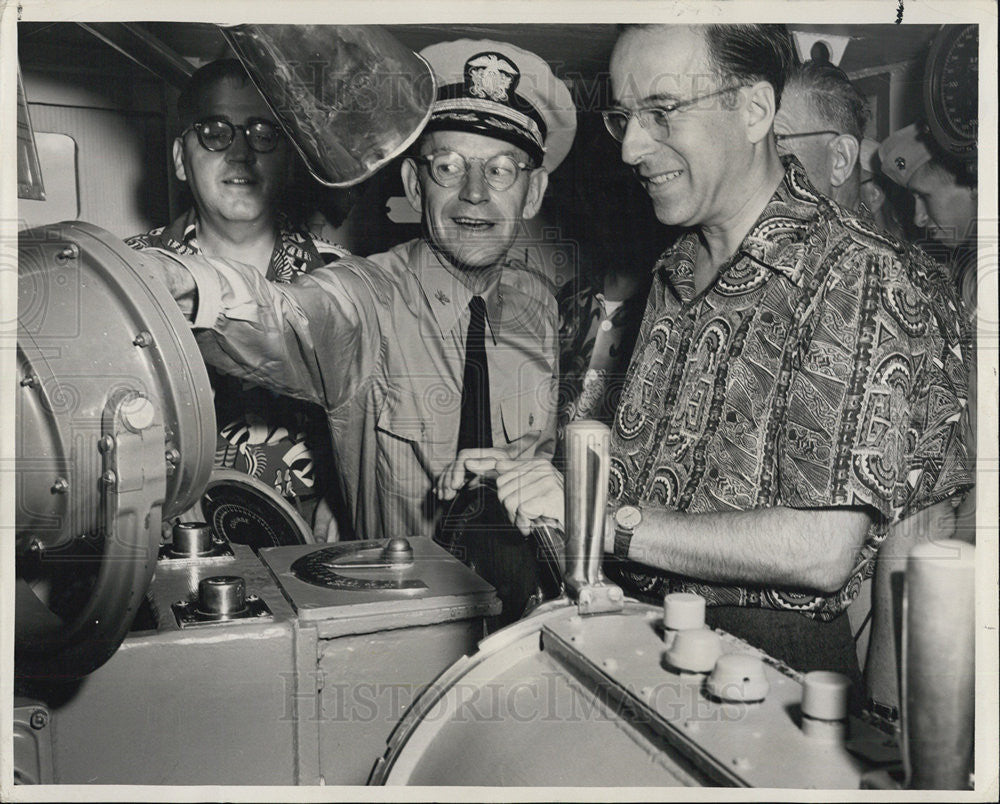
(499, 90)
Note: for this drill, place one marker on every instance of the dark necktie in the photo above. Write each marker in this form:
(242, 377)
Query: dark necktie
(476, 427)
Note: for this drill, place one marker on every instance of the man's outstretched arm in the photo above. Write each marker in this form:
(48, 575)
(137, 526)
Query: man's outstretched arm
(809, 549)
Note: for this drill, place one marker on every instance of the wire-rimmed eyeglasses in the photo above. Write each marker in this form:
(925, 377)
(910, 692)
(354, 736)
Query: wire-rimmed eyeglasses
(780, 138)
(449, 168)
(217, 135)
(655, 119)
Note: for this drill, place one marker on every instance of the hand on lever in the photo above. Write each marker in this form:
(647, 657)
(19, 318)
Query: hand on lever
(530, 489)
(480, 463)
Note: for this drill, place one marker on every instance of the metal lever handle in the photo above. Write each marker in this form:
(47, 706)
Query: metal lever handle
(587, 468)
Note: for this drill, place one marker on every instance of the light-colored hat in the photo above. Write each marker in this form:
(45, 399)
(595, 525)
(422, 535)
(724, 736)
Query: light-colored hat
(867, 156)
(501, 91)
(902, 154)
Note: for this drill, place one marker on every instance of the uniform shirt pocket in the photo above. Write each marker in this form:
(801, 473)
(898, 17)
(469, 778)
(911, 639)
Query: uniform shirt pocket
(523, 414)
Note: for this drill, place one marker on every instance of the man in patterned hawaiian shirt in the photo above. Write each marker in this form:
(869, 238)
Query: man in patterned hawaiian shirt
(235, 162)
(798, 381)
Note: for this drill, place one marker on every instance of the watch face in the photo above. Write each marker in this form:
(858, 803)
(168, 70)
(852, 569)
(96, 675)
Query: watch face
(628, 517)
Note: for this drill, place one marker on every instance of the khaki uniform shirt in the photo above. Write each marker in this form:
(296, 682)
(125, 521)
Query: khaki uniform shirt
(379, 344)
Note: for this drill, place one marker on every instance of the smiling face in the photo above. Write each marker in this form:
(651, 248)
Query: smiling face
(696, 175)
(237, 185)
(471, 224)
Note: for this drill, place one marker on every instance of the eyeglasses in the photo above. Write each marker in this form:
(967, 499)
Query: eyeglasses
(449, 168)
(616, 120)
(218, 135)
(780, 138)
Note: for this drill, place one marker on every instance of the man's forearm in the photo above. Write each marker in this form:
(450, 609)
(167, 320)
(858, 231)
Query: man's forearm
(178, 279)
(784, 547)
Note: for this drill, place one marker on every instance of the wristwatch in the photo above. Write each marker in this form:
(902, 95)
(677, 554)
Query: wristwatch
(627, 519)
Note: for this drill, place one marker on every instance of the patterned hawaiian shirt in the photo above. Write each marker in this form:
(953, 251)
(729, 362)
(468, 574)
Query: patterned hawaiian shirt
(275, 439)
(824, 367)
(595, 344)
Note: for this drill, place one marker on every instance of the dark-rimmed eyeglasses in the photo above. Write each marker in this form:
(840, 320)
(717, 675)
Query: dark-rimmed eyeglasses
(780, 138)
(217, 135)
(655, 119)
(449, 168)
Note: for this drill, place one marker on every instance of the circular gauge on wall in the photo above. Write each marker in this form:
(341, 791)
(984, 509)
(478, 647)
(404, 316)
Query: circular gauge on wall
(951, 89)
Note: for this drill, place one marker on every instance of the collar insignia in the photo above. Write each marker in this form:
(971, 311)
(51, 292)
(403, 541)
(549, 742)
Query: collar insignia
(442, 297)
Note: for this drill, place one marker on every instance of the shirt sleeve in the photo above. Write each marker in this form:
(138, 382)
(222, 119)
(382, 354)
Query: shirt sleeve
(874, 408)
(316, 339)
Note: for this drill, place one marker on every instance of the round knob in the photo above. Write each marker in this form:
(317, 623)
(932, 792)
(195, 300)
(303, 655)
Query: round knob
(683, 610)
(695, 650)
(138, 413)
(191, 539)
(222, 595)
(397, 551)
(738, 677)
(824, 695)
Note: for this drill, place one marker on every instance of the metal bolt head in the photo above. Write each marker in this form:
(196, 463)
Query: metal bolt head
(172, 455)
(109, 478)
(36, 546)
(143, 339)
(106, 443)
(39, 719)
(30, 381)
(61, 486)
(67, 253)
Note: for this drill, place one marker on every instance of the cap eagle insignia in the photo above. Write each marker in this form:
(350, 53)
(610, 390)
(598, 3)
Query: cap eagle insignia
(490, 76)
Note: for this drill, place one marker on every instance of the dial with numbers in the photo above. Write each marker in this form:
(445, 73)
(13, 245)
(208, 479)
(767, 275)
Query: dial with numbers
(951, 89)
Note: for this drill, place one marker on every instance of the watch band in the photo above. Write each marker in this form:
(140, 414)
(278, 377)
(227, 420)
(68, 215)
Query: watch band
(627, 518)
(623, 538)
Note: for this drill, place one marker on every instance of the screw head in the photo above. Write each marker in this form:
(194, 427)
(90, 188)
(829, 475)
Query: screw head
(109, 478)
(143, 339)
(61, 486)
(30, 381)
(106, 443)
(67, 253)
(39, 719)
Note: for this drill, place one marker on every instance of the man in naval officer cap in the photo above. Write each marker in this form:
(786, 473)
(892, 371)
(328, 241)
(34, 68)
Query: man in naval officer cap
(440, 344)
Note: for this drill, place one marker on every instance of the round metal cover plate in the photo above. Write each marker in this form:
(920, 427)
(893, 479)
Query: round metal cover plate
(245, 511)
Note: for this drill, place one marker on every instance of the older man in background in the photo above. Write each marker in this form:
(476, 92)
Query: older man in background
(821, 121)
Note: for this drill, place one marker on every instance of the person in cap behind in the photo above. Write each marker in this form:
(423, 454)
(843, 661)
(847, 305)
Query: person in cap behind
(945, 201)
(381, 343)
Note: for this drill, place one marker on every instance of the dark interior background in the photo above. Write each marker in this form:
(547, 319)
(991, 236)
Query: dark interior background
(112, 88)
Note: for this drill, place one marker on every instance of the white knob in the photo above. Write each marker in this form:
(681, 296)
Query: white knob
(695, 650)
(824, 695)
(738, 677)
(683, 610)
